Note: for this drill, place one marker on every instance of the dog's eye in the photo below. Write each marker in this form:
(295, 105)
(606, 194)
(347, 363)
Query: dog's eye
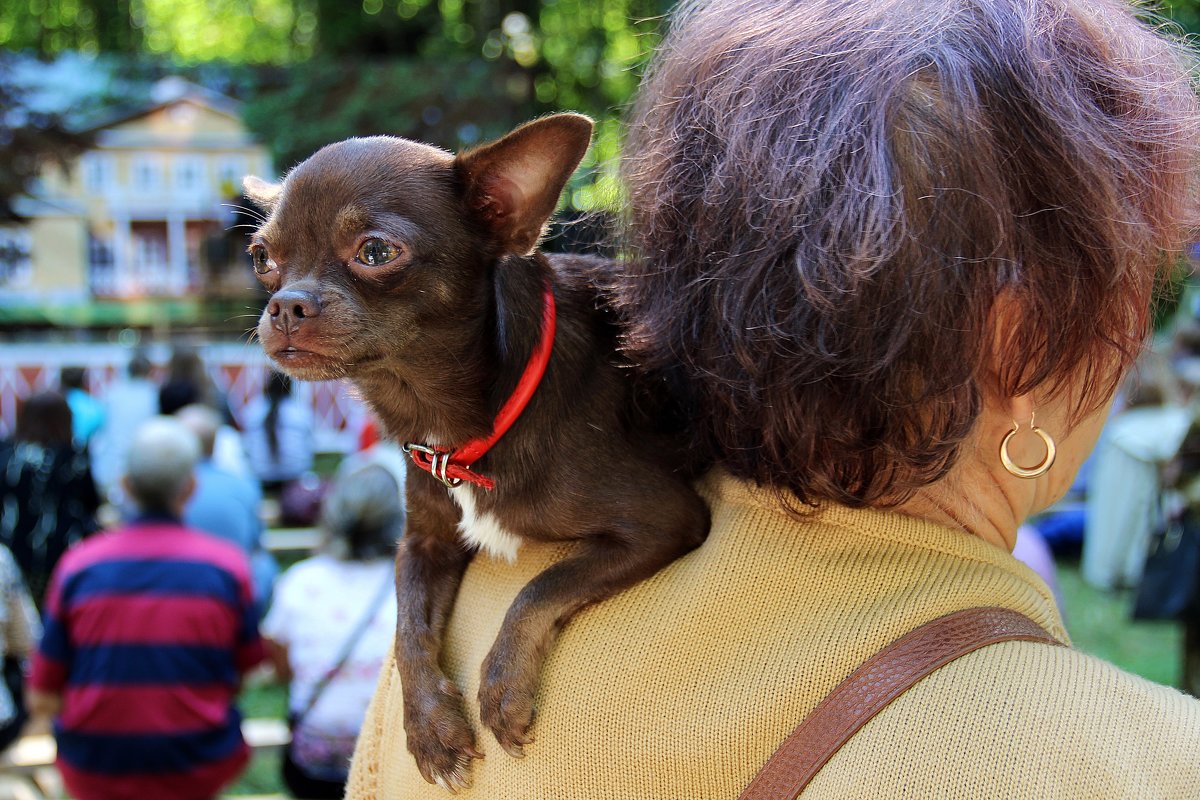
(377, 252)
(262, 262)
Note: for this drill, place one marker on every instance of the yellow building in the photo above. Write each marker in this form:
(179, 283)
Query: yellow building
(135, 232)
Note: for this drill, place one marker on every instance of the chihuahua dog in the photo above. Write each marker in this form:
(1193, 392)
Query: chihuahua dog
(414, 273)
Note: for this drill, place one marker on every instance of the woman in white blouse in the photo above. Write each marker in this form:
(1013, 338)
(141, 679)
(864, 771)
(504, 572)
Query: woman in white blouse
(330, 626)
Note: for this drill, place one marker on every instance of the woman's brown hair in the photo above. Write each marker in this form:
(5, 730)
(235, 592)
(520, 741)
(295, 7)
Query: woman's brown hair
(829, 196)
(44, 419)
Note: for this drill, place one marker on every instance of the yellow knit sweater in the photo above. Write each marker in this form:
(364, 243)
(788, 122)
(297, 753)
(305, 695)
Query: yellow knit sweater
(684, 685)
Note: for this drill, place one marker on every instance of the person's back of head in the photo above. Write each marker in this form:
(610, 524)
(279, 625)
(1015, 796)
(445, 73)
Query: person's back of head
(44, 419)
(278, 389)
(185, 364)
(834, 201)
(139, 365)
(203, 422)
(159, 473)
(72, 378)
(363, 516)
(186, 382)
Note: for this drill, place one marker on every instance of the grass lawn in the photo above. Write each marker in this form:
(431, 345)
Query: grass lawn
(1099, 623)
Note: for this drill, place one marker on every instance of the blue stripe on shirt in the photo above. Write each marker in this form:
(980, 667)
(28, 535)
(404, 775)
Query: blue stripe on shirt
(159, 664)
(54, 644)
(151, 577)
(144, 754)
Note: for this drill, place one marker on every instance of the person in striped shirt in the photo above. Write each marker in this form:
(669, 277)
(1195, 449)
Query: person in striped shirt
(148, 632)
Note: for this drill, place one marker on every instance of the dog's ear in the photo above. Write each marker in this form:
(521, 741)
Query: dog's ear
(263, 194)
(513, 184)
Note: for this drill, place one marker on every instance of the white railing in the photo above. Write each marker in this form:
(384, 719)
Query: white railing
(238, 370)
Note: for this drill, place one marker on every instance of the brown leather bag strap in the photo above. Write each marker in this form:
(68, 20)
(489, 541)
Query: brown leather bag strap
(880, 680)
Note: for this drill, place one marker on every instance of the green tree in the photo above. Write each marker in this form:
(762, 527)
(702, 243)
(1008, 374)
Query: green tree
(1185, 12)
(29, 137)
(446, 71)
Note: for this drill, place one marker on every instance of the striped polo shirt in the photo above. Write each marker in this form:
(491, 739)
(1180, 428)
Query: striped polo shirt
(148, 631)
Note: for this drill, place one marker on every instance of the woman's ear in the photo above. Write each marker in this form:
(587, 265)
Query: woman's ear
(1000, 369)
(1021, 408)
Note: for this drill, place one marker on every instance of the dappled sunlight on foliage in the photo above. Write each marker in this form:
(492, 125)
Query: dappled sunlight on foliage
(450, 72)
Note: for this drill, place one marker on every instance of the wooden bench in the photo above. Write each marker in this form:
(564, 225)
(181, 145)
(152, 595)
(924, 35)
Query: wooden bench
(28, 765)
(291, 540)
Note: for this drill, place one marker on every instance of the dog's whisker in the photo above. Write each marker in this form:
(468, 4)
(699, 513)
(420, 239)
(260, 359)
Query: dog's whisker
(247, 210)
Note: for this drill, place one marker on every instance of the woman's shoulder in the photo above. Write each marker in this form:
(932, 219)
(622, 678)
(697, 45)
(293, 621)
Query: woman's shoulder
(1022, 719)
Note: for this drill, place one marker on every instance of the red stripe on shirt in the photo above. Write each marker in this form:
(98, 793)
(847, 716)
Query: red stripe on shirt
(47, 676)
(152, 619)
(164, 542)
(248, 656)
(145, 709)
(202, 783)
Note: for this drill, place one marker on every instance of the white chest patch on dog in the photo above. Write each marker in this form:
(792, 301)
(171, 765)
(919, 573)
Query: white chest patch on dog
(483, 530)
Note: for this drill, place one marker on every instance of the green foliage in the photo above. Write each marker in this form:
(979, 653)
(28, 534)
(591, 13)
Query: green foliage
(252, 31)
(1184, 12)
(451, 103)
(1100, 624)
(28, 138)
(50, 26)
(451, 72)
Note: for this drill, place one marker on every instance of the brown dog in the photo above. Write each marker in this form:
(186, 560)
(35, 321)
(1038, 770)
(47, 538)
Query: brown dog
(414, 273)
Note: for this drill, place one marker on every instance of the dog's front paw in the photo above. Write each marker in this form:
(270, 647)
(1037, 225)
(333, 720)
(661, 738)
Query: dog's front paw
(440, 738)
(506, 696)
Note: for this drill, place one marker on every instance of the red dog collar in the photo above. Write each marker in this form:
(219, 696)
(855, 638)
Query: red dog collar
(452, 467)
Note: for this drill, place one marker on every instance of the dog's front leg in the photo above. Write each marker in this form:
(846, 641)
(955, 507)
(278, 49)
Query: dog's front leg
(429, 567)
(602, 566)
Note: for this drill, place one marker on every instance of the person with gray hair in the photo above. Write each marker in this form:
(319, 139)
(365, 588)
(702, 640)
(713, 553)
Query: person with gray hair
(148, 632)
(333, 615)
(160, 471)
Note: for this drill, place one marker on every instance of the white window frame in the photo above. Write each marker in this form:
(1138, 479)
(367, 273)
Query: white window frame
(148, 174)
(193, 165)
(99, 172)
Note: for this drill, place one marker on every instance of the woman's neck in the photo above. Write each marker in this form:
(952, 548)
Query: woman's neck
(984, 512)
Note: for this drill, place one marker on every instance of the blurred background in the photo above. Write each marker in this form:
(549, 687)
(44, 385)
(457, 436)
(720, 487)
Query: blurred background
(126, 127)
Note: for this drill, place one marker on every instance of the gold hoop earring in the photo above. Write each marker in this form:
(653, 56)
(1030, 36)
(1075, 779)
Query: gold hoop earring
(1033, 472)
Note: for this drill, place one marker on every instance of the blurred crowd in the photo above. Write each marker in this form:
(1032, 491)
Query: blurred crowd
(136, 593)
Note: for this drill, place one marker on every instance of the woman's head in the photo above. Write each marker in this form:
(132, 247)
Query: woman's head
(44, 419)
(363, 514)
(855, 219)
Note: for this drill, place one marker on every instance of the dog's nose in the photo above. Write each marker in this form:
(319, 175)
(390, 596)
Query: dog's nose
(291, 307)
